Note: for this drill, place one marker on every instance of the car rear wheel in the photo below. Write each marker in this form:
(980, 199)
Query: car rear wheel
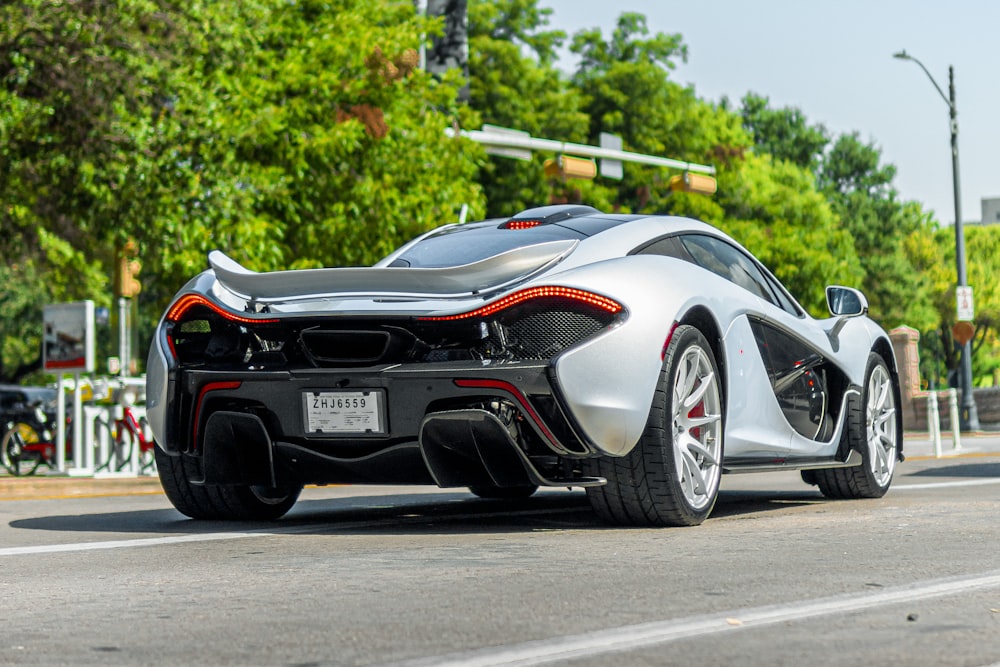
(872, 430)
(219, 502)
(671, 477)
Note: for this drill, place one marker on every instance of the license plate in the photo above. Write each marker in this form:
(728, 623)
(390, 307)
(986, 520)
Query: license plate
(344, 412)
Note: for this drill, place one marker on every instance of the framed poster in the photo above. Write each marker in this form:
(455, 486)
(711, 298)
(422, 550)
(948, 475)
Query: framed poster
(68, 337)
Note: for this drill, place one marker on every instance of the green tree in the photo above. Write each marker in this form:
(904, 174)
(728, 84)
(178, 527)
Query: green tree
(771, 206)
(624, 82)
(514, 83)
(860, 189)
(262, 128)
(933, 253)
(77, 81)
(783, 133)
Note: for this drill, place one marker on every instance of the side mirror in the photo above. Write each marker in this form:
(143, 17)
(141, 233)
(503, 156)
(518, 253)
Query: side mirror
(845, 301)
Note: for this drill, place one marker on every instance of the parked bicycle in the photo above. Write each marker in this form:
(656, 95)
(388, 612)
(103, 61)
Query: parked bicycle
(22, 450)
(123, 435)
(28, 418)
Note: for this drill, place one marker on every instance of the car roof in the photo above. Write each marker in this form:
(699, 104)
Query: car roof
(457, 245)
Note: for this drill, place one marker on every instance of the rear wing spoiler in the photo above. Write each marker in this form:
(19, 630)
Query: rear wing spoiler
(488, 274)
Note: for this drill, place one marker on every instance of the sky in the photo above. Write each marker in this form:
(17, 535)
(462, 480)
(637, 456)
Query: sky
(833, 61)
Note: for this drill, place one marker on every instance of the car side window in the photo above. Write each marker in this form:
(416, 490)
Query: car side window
(727, 261)
(670, 246)
(724, 260)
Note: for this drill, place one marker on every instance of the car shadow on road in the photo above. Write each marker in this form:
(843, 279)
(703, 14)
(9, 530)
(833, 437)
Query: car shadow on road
(449, 512)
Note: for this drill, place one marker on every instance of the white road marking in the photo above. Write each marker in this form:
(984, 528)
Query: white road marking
(944, 485)
(632, 637)
(120, 544)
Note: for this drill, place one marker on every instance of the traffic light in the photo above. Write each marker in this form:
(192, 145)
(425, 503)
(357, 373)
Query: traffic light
(566, 166)
(127, 271)
(688, 182)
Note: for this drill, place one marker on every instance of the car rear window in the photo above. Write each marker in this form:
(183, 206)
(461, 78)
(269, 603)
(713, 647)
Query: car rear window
(470, 243)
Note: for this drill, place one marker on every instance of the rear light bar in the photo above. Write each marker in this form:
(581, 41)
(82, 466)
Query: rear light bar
(520, 224)
(189, 301)
(596, 300)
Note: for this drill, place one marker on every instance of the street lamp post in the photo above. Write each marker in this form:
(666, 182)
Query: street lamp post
(968, 415)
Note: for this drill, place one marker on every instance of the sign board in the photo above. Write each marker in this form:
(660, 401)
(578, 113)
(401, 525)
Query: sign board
(506, 151)
(964, 303)
(68, 338)
(611, 168)
(963, 332)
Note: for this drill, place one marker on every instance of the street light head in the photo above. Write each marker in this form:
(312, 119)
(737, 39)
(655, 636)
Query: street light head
(902, 55)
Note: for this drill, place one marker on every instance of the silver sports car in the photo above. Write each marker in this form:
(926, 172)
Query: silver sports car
(638, 357)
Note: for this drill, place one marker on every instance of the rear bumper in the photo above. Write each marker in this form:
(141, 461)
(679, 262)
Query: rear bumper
(438, 426)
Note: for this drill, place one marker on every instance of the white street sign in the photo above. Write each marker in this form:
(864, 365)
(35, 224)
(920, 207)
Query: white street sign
(963, 300)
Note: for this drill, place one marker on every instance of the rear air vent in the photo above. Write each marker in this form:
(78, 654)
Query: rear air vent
(325, 347)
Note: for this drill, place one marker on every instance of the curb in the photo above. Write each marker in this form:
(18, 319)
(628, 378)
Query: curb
(47, 487)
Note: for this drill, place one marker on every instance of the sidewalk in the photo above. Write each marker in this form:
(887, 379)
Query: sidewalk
(979, 443)
(49, 486)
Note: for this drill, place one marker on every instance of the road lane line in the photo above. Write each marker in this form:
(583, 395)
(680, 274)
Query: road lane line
(120, 544)
(944, 485)
(632, 637)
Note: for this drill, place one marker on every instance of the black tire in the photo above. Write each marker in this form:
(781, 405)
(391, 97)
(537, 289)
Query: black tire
(671, 477)
(873, 430)
(219, 502)
(503, 492)
(14, 455)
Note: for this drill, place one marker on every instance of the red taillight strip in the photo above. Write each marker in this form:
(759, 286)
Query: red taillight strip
(596, 300)
(519, 397)
(211, 386)
(189, 301)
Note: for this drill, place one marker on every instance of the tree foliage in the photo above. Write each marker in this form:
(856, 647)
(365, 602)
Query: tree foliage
(300, 134)
(859, 189)
(263, 128)
(784, 133)
(514, 83)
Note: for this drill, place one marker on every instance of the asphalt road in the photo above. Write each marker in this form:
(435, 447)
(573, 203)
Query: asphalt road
(415, 576)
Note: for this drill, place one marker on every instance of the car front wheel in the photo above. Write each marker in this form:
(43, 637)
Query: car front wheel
(872, 430)
(671, 477)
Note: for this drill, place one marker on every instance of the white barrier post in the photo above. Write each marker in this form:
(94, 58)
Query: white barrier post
(61, 422)
(136, 462)
(955, 427)
(934, 422)
(95, 442)
(80, 467)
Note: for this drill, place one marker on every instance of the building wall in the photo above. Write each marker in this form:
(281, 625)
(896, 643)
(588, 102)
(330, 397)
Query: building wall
(991, 210)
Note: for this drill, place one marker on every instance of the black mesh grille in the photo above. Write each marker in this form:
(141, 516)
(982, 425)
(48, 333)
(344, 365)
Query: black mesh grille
(541, 335)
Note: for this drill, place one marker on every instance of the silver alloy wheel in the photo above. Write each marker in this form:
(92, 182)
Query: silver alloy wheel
(880, 425)
(697, 419)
